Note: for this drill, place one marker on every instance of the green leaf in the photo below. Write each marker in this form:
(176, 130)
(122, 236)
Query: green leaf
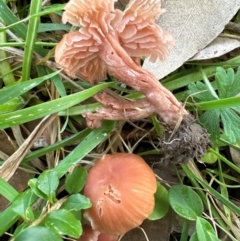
(64, 223)
(200, 92)
(7, 190)
(210, 120)
(8, 17)
(76, 202)
(35, 7)
(38, 234)
(185, 202)
(46, 27)
(47, 183)
(205, 231)
(20, 228)
(161, 203)
(228, 83)
(209, 158)
(91, 140)
(231, 123)
(11, 105)
(75, 181)
(48, 108)
(228, 86)
(233, 207)
(20, 88)
(33, 185)
(194, 237)
(22, 205)
(95, 137)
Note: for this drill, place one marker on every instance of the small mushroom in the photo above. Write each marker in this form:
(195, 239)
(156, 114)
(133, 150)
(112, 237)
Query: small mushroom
(121, 188)
(107, 42)
(92, 235)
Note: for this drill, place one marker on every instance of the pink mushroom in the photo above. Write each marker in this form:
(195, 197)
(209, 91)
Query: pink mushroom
(121, 188)
(106, 42)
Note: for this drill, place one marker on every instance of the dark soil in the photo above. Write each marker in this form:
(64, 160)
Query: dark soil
(188, 141)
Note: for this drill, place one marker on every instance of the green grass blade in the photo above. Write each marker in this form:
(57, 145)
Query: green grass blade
(7, 190)
(43, 151)
(87, 145)
(45, 27)
(35, 7)
(9, 18)
(92, 140)
(220, 197)
(18, 89)
(48, 108)
(219, 104)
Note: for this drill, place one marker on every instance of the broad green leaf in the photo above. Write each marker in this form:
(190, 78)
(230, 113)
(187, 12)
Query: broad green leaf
(38, 234)
(231, 123)
(209, 158)
(161, 203)
(75, 181)
(228, 82)
(205, 231)
(33, 185)
(76, 202)
(210, 120)
(64, 223)
(194, 237)
(22, 205)
(185, 202)
(20, 228)
(47, 183)
(222, 110)
(200, 92)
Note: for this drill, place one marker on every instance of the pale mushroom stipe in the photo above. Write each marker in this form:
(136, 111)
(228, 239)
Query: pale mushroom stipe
(92, 235)
(109, 41)
(121, 188)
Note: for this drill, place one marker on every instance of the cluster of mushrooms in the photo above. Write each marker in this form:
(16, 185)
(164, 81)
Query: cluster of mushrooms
(112, 41)
(121, 188)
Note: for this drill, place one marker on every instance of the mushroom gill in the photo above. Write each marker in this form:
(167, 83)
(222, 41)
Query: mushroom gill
(139, 35)
(106, 42)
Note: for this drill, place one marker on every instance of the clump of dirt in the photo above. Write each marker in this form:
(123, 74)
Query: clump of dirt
(189, 141)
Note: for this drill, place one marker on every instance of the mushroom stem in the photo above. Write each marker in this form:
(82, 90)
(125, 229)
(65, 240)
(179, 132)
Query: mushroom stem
(118, 108)
(122, 67)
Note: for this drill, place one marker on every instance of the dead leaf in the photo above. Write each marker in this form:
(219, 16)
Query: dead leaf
(217, 48)
(194, 24)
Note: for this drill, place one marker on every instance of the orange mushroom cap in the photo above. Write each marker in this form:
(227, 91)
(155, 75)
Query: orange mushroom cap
(121, 188)
(92, 235)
